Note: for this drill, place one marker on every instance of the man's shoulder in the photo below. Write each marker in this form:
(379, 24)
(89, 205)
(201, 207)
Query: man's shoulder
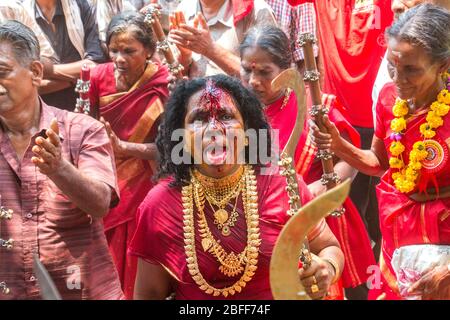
(11, 4)
(69, 118)
(11, 10)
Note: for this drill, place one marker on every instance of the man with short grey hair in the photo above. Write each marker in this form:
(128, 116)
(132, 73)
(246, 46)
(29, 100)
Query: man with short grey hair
(57, 180)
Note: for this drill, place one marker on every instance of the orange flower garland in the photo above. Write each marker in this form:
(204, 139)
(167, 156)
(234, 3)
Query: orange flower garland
(405, 177)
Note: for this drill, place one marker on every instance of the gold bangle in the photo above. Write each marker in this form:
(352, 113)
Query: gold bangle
(335, 266)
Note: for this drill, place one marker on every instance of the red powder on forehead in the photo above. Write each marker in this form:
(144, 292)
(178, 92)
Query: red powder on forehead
(211, 96)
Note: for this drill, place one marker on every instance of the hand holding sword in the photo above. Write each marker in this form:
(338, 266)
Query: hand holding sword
(315, 273)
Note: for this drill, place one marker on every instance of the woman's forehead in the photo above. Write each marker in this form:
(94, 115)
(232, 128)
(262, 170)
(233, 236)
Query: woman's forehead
(406, 52)
(203, 100)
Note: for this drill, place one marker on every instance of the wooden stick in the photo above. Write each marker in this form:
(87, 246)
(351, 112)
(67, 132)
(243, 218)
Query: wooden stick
(329, 177)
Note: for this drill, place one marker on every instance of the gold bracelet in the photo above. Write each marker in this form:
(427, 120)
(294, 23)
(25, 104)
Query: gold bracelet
(335, 266)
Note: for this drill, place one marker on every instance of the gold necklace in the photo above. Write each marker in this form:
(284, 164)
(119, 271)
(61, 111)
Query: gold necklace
(219, 192)
(221, 219)
(230, 263)
(250, 258)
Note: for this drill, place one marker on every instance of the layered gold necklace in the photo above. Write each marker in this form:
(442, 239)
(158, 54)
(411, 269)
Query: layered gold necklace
(231, 264)
(219, 192)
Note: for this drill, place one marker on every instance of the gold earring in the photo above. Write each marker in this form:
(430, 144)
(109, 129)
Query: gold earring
(246, 141)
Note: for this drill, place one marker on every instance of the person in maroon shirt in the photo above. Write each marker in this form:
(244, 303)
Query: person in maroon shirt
(57, 176)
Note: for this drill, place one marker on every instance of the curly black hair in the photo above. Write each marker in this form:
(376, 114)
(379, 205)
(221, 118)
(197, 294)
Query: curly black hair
(175, 112)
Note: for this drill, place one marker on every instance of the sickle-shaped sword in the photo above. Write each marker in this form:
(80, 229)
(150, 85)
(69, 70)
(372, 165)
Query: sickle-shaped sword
(284, 279)
(292, 241)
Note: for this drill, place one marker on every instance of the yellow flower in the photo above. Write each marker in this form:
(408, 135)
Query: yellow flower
(434, 121)
(396, 148)
(419, 145)
(404, 185)
(417, 155)
(411, 174)
(398, 125)
(444, 97)
(440, 109)
(400, 108)
(427, 131)
(405, 179)
(396, 175)
(415, 165)
(396, 163)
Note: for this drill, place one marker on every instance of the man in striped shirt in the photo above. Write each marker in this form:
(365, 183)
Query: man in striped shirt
(294, 21)
(57, 176)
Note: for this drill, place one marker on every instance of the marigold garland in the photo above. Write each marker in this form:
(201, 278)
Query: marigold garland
(405, 177)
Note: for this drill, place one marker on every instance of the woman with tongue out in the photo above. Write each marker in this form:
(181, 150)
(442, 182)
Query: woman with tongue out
(207, 230)
(265, 53)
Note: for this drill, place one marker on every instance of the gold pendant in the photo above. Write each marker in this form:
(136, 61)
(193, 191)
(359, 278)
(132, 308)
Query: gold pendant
(226, 230)
(206, 244)
(221, 216)
(232, 265)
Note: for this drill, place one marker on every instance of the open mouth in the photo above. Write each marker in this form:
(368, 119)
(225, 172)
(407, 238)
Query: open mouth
(3, 91)
(216, 155)
(120, 69)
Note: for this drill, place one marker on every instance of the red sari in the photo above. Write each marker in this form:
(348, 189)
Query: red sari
(159, 237)
(133, 116)
(348, 229)
(402, 220)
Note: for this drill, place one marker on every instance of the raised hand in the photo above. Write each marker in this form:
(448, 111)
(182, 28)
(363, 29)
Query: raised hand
(196, 38)
(48, 151)
(176, 20)
(118, 145)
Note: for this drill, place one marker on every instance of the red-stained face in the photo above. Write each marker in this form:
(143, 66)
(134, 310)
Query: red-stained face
(214, 131)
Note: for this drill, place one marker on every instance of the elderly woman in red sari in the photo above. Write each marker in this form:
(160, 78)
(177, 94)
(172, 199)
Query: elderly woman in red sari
(128, 95)
(207, 230)
(265, 53)
(410, 150)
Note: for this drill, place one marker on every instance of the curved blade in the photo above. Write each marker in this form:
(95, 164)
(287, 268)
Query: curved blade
(284, 279)
(291, 78)
(46, 284)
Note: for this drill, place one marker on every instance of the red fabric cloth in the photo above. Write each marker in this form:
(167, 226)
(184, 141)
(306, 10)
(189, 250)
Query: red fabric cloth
(123, 115)
(159, 237)
(351, 39)
(282, 120)
(241, 8)
(119, 239)
(349, 229)
(402, 220)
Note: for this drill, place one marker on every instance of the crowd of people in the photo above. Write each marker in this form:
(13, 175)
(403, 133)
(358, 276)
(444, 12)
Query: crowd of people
(161, 191)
